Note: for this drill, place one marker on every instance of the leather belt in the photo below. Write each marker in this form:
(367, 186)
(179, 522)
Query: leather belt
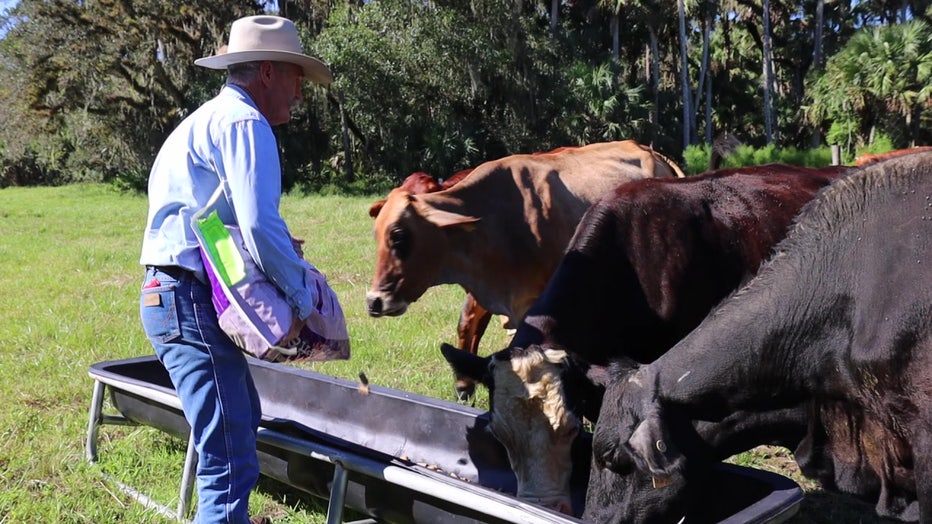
(178, 273)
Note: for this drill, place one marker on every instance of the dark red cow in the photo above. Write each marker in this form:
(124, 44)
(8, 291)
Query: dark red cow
(645, 266)
(839, 319)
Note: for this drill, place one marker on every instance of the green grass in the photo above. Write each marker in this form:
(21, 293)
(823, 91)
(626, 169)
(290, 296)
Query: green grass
(69, 281)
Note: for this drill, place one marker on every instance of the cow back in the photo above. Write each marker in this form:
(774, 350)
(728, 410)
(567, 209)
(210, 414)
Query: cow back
(649, 260)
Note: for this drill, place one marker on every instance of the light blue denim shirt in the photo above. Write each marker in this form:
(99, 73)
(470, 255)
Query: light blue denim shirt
(227, 138)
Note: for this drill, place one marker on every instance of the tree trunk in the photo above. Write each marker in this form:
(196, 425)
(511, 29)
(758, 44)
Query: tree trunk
(708, 107)
(704, 76)
(817, 57)
(554, 17)
(347, 148)
(769, 124)
(684, 76)
(654, 83)
(817, 35)
(616, 38)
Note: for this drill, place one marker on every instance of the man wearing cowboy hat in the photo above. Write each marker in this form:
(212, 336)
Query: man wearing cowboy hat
(228, 139)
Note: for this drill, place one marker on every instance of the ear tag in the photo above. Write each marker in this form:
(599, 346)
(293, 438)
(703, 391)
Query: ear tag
(660, 482)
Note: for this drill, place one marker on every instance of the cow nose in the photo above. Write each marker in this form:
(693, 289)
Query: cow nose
(562, 506)
(374, 306)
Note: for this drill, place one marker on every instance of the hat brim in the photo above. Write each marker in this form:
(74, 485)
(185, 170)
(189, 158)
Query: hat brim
(314, 70)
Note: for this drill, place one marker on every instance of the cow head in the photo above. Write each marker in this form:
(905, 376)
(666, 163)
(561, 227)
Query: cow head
(529, 416)
(416, 183)
(630, 496)
(637, 474)
(411, 244)
(632, 430)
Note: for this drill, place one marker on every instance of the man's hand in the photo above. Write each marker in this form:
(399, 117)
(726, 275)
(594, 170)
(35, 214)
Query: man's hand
(298, 244)
(294, 331)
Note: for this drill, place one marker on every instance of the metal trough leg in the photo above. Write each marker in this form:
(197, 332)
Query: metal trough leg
(98, 418)
(187, 478)
(337, 494)
(97, 404)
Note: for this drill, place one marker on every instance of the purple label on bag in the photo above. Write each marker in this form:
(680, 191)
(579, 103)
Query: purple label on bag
(216, 292)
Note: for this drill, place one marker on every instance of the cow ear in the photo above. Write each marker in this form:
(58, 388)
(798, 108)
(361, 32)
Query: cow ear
(598, 375)
(652, 449)
(466, 364)
(441, 218)
(554, 356)
(376, 207)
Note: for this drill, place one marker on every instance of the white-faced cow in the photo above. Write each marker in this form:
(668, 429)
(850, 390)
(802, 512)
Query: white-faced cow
(840, 318)
(500, 232)
(646, 264)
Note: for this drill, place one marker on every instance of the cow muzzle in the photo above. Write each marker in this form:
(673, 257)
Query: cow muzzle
(558, 504)
(381, 305)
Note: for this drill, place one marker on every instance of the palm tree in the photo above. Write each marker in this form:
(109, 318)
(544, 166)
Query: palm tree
(614, 8)
(882, 70)
(653, 15)
(710, 8)
(900, 66)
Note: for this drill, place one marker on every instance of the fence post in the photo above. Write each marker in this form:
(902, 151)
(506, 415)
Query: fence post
(836, 154)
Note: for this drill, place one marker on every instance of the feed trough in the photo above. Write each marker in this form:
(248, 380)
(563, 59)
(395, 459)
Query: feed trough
(391, 455)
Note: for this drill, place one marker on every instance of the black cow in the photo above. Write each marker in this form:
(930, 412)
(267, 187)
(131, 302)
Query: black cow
(644, 267)
(840, 319)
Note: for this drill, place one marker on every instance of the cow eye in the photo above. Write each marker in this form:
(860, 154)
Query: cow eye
(398, 242)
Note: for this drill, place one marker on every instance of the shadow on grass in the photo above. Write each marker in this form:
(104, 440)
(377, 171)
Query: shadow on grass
(826, 507)
(300, 501)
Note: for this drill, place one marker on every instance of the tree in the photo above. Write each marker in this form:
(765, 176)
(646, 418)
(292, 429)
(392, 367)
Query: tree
(684, 74)
(709, 10)
(882, 79)
(769, 124)
(111, 78)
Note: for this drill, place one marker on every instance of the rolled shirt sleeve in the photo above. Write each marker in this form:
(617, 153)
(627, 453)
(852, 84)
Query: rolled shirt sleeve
(249, 153)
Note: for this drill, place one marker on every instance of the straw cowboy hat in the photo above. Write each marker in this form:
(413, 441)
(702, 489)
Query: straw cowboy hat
(263, 37)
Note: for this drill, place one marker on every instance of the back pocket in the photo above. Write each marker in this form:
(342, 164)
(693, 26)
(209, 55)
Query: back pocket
(159, 314)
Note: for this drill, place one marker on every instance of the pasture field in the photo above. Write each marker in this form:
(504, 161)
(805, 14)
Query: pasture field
(69, 281)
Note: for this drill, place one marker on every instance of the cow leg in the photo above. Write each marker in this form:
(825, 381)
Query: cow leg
(474, 319)
(922, 443)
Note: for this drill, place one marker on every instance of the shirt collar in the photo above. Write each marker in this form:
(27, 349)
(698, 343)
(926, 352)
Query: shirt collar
(239, 93)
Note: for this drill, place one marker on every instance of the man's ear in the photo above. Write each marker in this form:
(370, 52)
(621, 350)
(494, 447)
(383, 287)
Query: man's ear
(266, 70)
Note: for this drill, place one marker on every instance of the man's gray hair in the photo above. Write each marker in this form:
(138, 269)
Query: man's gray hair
(242, 73)
(245, 72)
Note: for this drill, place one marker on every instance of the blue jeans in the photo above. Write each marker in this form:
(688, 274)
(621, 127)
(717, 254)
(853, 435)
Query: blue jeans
(211, 377)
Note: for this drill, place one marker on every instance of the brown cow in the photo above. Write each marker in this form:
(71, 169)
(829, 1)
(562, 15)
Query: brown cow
(872, 158)
(500, 232)
(474, 319)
